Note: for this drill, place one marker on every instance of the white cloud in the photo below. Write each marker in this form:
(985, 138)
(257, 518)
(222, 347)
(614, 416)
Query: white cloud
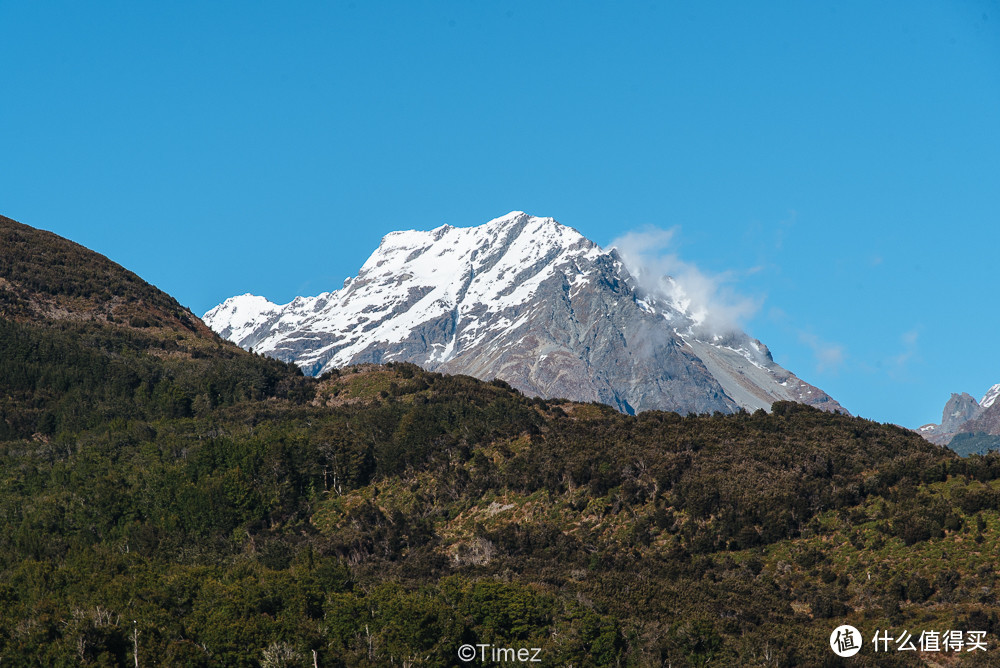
(708, 298)
(898, 364)
(829, 356)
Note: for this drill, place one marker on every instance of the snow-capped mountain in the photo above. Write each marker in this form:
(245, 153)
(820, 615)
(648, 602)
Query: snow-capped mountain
(527, 300)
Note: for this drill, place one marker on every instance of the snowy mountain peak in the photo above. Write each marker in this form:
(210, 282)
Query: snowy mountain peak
(512, 216)
(525, 299)
(239, 313)
(448, 250)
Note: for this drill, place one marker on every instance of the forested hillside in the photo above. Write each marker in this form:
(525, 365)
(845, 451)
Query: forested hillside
(163, 490)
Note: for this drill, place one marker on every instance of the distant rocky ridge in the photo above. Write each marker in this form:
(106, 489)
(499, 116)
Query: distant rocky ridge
(527, 300)
(963, 415)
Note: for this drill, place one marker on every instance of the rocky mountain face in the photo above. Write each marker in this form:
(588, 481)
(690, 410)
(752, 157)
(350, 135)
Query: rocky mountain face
(964, 415)
(981, 433)
(986, 422)
(526, 300)
(960, 409)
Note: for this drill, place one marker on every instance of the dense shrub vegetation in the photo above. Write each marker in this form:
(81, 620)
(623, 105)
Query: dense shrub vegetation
(386, 514)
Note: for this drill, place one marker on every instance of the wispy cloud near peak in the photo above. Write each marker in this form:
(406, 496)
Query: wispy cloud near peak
(707, 298)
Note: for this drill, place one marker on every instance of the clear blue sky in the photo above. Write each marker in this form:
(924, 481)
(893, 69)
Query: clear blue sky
(837, 163)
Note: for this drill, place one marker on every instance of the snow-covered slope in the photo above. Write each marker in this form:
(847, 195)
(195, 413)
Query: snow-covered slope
(524, 299)
(990, 397)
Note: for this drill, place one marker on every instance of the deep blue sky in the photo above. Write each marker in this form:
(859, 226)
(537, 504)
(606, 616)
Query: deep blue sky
(836, 163)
